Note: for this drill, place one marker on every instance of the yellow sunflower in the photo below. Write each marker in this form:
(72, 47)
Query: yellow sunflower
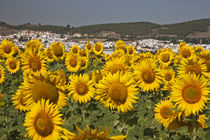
(165, 58)
(117, 91)
(75, 49)
(95, 134)
(168, 77)
(12, 65)
(21, 100)
(60, 76)
(33, 63)
(88, 47)
(98, 48)
(164, 112)
(83, 53)
(2, 76)
(205, 55)
(186, 52)
(83, 62)
(49, 55)
(131, 50)
(72, 62)
(57, 50)
(196, 66)
(35, 45)
(81, 88)
(44, 121)
(119, 43)
(97, 76)
(190, 93)
(46, 87)
(114, 65)
(7, 48)
(147, 75)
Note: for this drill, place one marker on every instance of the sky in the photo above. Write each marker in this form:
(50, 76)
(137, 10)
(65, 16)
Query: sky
(88, 12)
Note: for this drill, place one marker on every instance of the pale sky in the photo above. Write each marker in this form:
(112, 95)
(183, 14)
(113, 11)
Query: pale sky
(87, 12)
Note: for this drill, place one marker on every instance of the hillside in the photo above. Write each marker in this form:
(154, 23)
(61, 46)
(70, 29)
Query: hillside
(190, 29)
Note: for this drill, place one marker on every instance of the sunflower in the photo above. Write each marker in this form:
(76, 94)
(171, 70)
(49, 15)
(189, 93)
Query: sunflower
(119, 43)
(198, 49)
(20, 100)
(97, 76)
(44, 121)
(95, 134)
(196, 66)
(117, 91)
(60, 76)
(205, 55)
(168, 77)
(12, 64)
(83, 62)
(190, 93)
(81, 88)
(165, 58)
(1, 96)
(33, 63)
(75, 49)
(88, 47)
(114, 65)
(98, 48)
(72, 62)
(49, 55)
(83, 53)
(186, 52)
(131, 50)
(7, 48)
(35, 45)
(2, 76)
(57, 50)
(147, 75)
(164, 112)
(44, 86)
(17, 51)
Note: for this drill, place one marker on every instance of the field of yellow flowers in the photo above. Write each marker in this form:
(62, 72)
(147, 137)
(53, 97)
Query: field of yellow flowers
(83, 94)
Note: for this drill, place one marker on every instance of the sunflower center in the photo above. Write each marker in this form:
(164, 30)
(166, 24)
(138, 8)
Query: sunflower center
(35, 64)
(75, 50)
(186, 53)
(89, 47)
(118, 93)
(194, 69)
(58, 51)
(165, 57)
(130, 51)
(12, 65)
(115, 68)
(82, 63)
(82, 53)
(7, 49)
(49, 55)
(191, 94)
(43, 124)
(166, 112)
(82, 88)
(42, 89)
(168, 76)
(148, 76)
(98, 48)
(73, 62)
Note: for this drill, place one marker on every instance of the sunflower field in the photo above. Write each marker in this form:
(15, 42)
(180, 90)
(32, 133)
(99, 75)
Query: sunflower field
(83, 94)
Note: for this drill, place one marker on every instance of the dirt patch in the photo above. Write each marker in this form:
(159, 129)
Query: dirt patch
(200, 34)
(7, 31)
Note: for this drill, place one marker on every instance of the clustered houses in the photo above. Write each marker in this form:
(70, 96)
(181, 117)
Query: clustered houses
(47, 38)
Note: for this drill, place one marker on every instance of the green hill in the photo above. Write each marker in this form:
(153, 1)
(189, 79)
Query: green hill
(134, 29)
